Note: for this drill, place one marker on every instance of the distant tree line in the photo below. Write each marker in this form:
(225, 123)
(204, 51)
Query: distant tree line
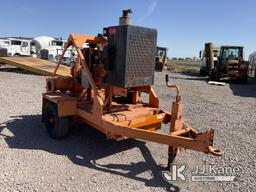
(186, 58)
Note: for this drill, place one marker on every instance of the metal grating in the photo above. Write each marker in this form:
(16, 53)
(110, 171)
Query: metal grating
(140, 59)
(133, 61)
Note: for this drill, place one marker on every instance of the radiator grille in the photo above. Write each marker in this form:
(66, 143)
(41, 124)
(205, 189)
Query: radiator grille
(140, 54)
(130, 56)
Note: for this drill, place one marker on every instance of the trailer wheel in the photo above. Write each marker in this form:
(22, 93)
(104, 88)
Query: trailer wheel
(57, 127)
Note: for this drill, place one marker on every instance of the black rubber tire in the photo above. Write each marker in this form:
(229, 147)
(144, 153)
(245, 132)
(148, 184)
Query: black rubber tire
(57, 127)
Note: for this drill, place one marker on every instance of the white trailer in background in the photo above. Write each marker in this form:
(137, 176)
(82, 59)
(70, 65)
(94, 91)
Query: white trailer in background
(15, 46)
(49, 48)
(55, 50)
(252, 65)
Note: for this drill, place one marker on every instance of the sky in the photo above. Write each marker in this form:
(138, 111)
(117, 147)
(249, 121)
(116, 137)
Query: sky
(183, 25)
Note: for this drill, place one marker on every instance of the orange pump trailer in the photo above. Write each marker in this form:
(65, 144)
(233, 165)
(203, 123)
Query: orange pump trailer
(117, 120)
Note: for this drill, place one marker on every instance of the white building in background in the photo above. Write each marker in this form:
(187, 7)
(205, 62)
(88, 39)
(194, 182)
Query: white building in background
(252, 65)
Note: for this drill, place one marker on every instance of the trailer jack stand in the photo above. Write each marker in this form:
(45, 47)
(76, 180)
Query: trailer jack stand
(172, 153)
(182, 130)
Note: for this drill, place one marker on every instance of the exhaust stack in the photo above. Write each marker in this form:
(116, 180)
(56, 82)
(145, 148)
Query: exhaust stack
(125, 19)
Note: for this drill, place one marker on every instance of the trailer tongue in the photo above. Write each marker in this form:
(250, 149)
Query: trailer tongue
(105, 89)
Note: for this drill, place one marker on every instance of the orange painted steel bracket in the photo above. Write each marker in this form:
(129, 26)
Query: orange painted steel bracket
(202, 142)
(78, 40)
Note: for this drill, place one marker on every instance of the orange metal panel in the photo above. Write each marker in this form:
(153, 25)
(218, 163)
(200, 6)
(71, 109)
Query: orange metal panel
(67, 108)
(144, 121)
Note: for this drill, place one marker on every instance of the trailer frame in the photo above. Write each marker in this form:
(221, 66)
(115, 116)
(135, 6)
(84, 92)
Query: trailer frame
(121, 121)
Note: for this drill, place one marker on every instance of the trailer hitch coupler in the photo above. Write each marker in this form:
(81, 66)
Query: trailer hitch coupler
(214, 151)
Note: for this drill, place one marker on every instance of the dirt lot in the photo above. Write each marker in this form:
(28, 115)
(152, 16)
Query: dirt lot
(86, 161)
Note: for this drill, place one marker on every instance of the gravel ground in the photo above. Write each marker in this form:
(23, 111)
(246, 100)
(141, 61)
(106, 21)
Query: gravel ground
(86, 161)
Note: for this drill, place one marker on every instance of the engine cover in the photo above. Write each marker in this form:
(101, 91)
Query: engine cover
(130, 55)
